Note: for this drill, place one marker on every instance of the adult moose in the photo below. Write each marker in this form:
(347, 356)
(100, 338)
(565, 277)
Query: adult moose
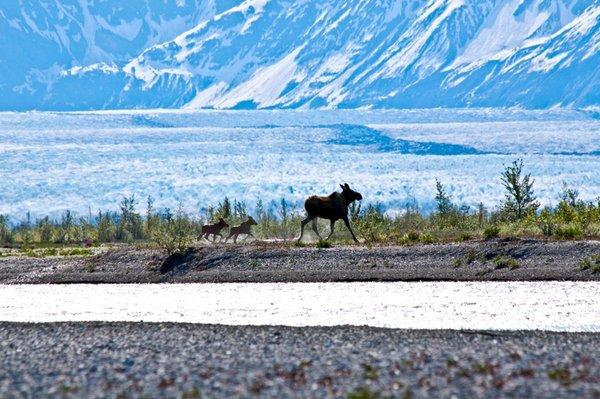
(334, 207)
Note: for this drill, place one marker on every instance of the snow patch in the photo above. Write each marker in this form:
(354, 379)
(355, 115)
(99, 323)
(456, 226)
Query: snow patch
(126, 29)
(266, 84)
(207, 96)
(503, 33)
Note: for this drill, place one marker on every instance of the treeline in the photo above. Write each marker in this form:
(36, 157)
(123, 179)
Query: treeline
(518, 215)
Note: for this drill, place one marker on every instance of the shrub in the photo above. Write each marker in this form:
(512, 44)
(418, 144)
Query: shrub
(569, 232)
(175, 233)
(590, 263)
(465, 236)
(427, 238)
(546, 222)
(502, 262)
(373, 225)
(471, 256)
(413, 236)
(492, 231)
(322, 244)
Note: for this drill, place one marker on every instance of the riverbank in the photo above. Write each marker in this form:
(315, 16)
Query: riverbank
(188, 360)
(483, 260)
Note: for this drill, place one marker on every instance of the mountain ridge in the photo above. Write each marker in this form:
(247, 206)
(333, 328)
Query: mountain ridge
(369, 53)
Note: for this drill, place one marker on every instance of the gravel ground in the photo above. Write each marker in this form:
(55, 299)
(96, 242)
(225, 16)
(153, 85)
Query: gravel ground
(268, 262)
(187, 360)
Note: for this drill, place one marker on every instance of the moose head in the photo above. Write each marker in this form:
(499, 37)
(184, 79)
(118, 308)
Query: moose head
(251, 221)
(349, 194)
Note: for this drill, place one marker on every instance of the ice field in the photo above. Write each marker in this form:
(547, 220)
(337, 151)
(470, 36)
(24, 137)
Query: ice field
(50, 162)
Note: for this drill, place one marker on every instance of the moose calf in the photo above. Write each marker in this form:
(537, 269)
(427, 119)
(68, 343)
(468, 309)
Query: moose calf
(334, 207)
(243, 228)
(214, 229)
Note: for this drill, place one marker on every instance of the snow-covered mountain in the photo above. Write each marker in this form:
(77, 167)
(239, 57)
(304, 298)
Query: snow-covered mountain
(309, 53)
(41, 38)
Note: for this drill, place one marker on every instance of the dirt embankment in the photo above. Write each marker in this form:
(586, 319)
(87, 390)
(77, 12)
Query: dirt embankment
(495, 260)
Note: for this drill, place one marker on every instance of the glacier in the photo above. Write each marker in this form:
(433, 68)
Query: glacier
(273, 54)
(87, 161)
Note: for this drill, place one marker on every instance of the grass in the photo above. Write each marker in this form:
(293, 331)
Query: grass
(363, 393)
(370, 373)
(591, 263)
(322, 244)
(504, 261)
(45, 252)
(471, 256)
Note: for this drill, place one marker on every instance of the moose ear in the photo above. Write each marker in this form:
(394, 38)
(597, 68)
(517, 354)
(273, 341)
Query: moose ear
(342, 186)
(347, 186)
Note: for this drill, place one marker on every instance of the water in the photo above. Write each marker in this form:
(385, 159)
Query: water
(554, 306)
(87, 161)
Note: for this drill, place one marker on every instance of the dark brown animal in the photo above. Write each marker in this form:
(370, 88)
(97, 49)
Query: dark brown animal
(214, 230)
(334, 207)
(243, 228)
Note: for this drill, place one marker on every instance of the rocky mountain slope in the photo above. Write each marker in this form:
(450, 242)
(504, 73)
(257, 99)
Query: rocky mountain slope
(313, 54)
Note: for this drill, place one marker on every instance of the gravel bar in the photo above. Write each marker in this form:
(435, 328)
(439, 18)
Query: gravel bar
(520, 260)
(120, 360)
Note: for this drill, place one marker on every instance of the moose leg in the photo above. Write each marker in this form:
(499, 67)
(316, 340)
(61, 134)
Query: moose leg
(332, 225)
(315, 229)
(350, 228)
(302, 224)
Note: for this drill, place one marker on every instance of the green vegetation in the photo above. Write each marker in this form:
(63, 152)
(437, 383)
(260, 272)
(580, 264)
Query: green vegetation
(174, 233)
(322, 244)
(517, 216)
(363, 393)
(46, 252)
(562, 375)
(591, 263)
(503, 262)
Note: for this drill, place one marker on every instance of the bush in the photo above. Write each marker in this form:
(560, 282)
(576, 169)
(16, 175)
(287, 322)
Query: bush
(491, 232)
(427, 238)
(590, 263)
(373, 225)
(175, 233)
(569, 232)
(502, 262)
(322, 244)
(413, 236)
